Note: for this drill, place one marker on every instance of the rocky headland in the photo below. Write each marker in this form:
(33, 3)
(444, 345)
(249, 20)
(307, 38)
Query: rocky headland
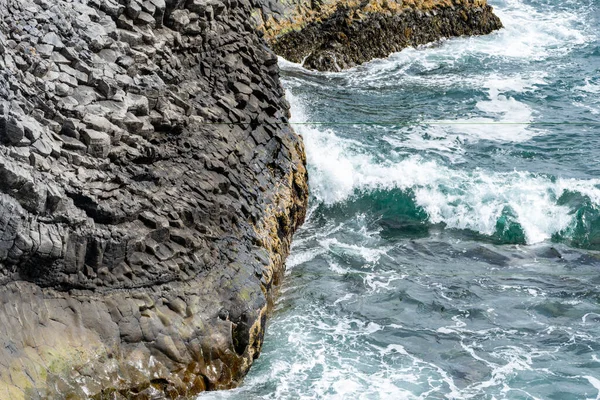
(332, 35)
(150, 183)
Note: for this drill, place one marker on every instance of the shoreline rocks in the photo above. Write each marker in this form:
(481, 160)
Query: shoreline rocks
(335, 35)
(149, 189)
(150, 183)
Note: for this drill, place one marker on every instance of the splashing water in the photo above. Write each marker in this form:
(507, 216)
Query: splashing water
(451, 251)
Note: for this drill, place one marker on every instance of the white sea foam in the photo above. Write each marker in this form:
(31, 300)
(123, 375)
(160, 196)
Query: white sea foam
(589, 93)
(329, 352)
(369, 255)
(301, 257)
(473, 200)
(595, 382)
(502, 112)
(583, 319)
(502, 119)
(528, 34)
(590, 87)
(376, 283)
(463, 200)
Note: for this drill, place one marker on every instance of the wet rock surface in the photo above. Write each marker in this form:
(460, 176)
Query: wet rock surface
(331, 35)
(149, 188)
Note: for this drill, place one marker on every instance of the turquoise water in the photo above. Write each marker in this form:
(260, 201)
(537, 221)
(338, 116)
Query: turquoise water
(448, 252)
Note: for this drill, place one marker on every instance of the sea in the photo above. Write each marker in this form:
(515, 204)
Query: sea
(452, 244)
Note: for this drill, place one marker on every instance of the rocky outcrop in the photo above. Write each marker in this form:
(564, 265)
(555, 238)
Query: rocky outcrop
(150, 182)
(331, 35)
(149, 188)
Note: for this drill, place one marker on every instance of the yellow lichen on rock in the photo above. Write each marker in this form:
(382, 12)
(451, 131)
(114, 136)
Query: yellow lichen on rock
(302, 15)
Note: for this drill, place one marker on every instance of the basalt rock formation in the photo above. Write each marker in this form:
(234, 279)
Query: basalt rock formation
(149, 188)
(150, 182)
(332, 35)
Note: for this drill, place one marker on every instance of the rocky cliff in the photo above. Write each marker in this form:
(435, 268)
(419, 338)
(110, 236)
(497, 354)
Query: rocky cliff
(149, 188)
(150, 182)
(331, 35)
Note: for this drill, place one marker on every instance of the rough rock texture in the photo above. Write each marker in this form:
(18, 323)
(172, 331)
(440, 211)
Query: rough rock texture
(149, 188)
(331, 35)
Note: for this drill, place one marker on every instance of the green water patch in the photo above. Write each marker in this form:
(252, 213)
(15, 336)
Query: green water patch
(508, 229)
(584, 231)
(394, 211)
(396, 215)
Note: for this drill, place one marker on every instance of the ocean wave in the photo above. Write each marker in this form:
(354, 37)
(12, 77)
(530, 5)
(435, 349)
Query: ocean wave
(516, 206)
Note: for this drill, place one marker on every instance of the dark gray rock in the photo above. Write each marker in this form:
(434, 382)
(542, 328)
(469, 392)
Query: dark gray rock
(179, 19)
(98, 143)
(133, 9)
(145, 19)
(11, 130)
(107, 87)
(44, 50)
(53, 39)
(140, 237)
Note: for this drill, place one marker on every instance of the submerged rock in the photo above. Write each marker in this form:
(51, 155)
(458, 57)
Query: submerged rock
(332, 35)
(149, 189)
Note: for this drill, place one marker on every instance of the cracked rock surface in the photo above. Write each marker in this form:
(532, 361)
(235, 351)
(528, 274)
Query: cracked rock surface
(149, 189)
